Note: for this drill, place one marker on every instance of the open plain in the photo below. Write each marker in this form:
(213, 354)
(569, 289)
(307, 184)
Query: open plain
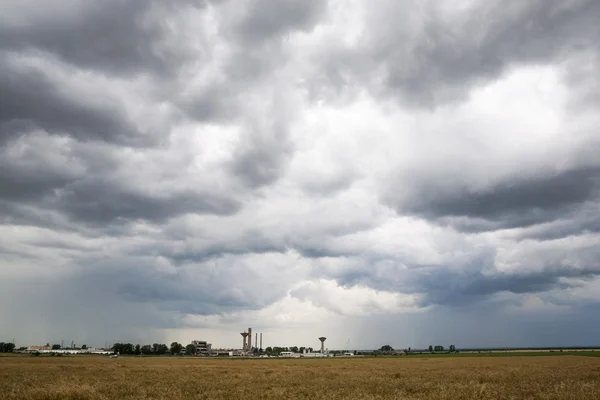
(94, 377)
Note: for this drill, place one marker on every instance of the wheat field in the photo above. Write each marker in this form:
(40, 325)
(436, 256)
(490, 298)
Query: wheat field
(90, 377)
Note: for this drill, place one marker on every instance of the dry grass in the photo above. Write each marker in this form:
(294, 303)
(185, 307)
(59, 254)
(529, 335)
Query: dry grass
(566, 377)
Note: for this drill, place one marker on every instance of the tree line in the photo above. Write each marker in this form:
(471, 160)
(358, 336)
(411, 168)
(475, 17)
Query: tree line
(7, 347)
(439, 348)
(387, 349)
(278, 350)
(146, 349)
(157, 349)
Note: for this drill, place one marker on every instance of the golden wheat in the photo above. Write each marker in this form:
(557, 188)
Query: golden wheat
(82, 377)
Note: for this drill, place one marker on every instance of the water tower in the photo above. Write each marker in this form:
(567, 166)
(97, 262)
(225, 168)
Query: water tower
(322, 339)
(244, 335)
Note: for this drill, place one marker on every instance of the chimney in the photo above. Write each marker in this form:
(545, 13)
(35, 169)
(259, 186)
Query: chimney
(261, 340)
(249, 339)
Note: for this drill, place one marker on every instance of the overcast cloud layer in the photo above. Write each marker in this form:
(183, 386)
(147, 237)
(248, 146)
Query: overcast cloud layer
(415, 173)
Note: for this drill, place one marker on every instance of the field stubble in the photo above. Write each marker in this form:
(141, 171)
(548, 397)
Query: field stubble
(50, 378)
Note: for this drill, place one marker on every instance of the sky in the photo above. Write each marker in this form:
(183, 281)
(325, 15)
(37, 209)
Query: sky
(405, 173)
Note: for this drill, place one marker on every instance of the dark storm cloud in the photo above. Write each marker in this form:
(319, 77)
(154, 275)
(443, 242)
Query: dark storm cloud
(31, 173)
(426, 58)
(99, 201)
(476, 278)
(260, 158)
(83, 182)
(115, 36)
(40, 53)
(214, 103)
(258, 54)
(581, 221)
(251, 242)
(264, 19)
(32, 100)
(517, 203)
(442, 287)
(214, 287)
(493, 39)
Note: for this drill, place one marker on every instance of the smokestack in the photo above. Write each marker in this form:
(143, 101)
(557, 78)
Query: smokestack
(256, 339)
(261, 340)
(249, 339)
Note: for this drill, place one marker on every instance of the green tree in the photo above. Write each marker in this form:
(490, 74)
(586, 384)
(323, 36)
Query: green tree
(160, 348)
(123, 348)
(138, 350)
(294, 349)
(452, 348)
(430, 348)
(175, 348)
(146, 349)
(56, 347)
(269, 350)
(386, 348)
(190, 349)
(7, 347)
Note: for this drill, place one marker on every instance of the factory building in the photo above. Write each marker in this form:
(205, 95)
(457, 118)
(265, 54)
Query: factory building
(203, 348)
(39, 348)
(247, 345)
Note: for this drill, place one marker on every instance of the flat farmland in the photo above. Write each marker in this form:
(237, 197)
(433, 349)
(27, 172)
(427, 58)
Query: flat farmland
(92, 377)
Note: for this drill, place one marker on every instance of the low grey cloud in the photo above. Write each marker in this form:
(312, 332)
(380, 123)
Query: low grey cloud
(33, 100)
(123, 37)
(477, 278)
(28, 170)
(96, 190)
(96, 200)
(260, 159)
(261, 20)
(519, 202)
(425, 54)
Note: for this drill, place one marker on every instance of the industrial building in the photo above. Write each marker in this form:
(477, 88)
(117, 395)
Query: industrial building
(203, 348)
(49, 350)
(306, 354)
(247, 346)
(39, 348)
